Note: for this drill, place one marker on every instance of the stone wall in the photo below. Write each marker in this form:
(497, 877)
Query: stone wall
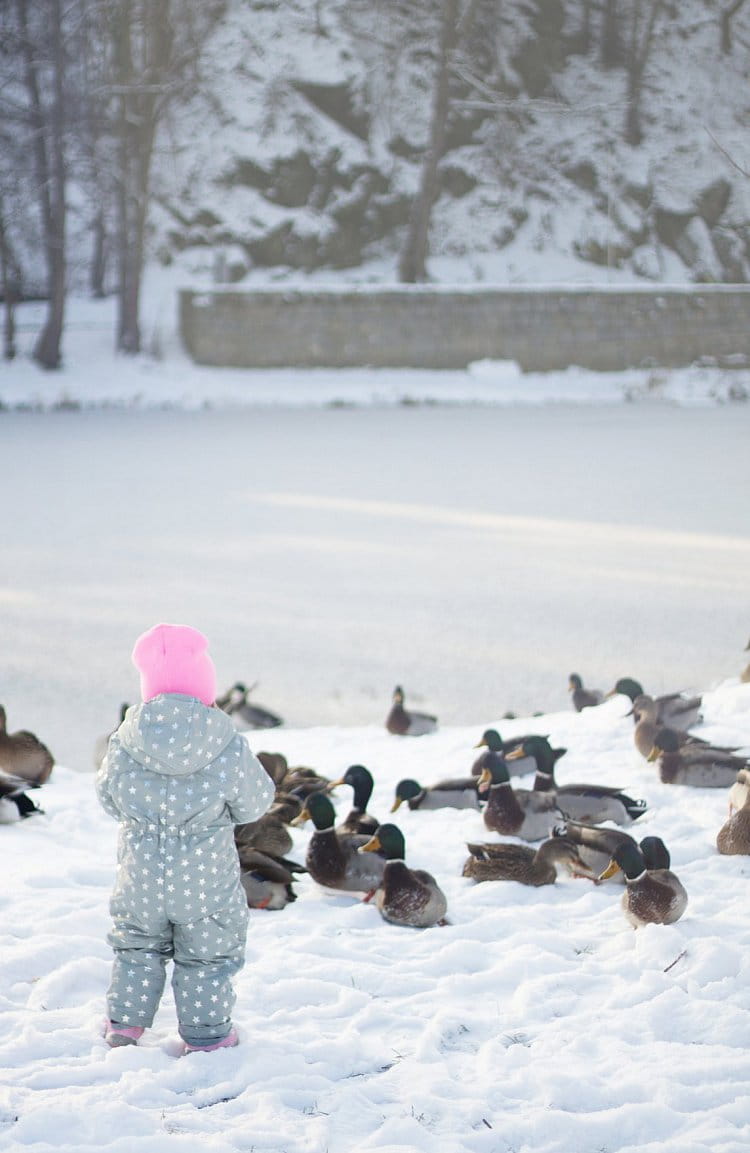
(435, 327)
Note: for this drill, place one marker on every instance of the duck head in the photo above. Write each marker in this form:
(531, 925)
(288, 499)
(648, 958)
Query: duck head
(406, 790)
(388, 841)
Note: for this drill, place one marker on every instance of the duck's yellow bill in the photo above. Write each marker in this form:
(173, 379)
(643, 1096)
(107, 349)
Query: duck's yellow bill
(610, 870)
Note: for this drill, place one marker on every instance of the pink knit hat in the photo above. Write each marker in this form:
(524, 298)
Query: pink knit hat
(173, 659)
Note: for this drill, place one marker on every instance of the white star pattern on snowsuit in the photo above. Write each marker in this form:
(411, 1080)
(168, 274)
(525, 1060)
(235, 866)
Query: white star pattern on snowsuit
(157, 915)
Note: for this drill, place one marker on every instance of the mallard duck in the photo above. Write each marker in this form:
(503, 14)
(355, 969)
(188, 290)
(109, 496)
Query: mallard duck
(733, 838)
(647, 724)
(245, 715)
(516, 812)
(299, 780)
(22, 754)
(583, 698)
(269, 835)
(358, 819)
(287, 807)
(408, 724)
(461, 793)
(653, 896)
(589, 803)
(595, 844)
(492, 742)
(277, 767)
(700, 766)
(332, 859)
(268, 881)
(674, 710)
(405, 896)
(13, 789)
(739, 791)
(304, 781)
(510, 862)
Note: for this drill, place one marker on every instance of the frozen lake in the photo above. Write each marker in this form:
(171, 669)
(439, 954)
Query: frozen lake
(475, 555)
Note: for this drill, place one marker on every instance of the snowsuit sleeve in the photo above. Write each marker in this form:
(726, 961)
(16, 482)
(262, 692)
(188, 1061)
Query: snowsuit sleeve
(253, 791)
(102, 782)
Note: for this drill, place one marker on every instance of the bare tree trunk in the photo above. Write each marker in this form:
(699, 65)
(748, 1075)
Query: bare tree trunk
(641, 42)
(140, 89)
(611, 47)
(585, 37)
(98, 268)
(726, 17)
(50, 175)
(8, 287)
(413, 262)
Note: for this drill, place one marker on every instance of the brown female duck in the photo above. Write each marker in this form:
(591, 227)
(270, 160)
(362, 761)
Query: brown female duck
(675, 710)
(733, 838)
(700, 766)
(505, 861)
(22, 754)
(583, 698)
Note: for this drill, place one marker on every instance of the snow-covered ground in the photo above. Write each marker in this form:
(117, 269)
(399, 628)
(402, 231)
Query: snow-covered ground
(537, 1020)
(332, 537)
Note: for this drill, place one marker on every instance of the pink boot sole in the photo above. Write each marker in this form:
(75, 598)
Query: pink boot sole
(227, 1042)
(118, 1035)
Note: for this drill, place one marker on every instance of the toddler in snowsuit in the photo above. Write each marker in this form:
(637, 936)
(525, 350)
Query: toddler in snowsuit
(178, 777)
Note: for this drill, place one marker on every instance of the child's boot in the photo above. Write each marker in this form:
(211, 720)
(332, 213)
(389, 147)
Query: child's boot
(117, 1035)
(227, 1042)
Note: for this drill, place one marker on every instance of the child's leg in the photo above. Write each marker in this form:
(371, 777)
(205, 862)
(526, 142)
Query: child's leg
(138, 972)
(207, 954)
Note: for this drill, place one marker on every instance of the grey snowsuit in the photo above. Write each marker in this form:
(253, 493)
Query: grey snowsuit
(178, 777)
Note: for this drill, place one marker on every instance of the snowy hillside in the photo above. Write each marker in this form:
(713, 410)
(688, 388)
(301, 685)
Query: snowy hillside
(302, 152)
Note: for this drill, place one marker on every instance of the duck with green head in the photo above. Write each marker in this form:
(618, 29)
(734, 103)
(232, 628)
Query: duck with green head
(653, 894)
(673, 709)
(699, 766)
(358, 819)
(647, 724)
(589, 803)
(520, 813)
(405, 896)
(595, 843)
(458, 793)
(333, 859)
(506, 861)
(493, 744)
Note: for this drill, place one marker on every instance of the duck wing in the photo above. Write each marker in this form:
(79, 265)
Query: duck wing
(410, 896)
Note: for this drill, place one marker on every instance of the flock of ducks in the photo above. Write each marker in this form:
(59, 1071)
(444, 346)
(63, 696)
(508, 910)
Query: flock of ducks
(567, 822)
(571, 824)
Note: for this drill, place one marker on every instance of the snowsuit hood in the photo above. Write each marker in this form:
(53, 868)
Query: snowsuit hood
(175, 734)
